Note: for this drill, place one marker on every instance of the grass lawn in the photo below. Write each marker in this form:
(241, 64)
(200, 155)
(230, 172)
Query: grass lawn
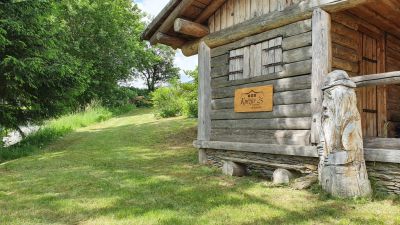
(135, 169)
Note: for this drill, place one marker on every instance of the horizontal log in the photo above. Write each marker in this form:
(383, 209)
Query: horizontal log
(297, 41)
(298, 54)
(222, 60)
(289, 70)
(371, 155)
(282, 137)
(281, 98)
(300, 11)
(382, 155)
(290, 30)
(281, 85)
(377, 79)
(299, 168)
(279, 111)
(264, 124)
(190, 28)
(293, 150)
(219, 71)
(165, 39)
(382, 143)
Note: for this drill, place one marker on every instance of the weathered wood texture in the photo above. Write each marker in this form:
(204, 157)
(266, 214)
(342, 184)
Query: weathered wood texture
(393, 91)
(291, 81)
(296, 12)
(342, 169)
(190, 28)
(359, 48)
(321, 66)
(204, 111)
(294, 150)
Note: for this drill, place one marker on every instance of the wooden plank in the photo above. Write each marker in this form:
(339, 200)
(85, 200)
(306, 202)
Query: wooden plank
(382, 155)
(296, 55)
(289, 70)
(246, 62)
(271, 56)
(223, 16)
(297, 41)
(294, 150)
(321, 66)
(285, 31)
(270, 21)
(231, 13)
(204, 108)
(279, 111)
(265, 6)
(209, 11)
(281, 85)
(382, 143)
(265, 124)
(257, 57)
(211, 24)
(217, 20)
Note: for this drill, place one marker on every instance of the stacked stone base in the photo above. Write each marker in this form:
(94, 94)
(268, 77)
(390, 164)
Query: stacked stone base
(385, 176)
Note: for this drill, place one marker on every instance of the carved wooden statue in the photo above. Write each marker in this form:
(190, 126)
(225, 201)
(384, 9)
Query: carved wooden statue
(342, 169)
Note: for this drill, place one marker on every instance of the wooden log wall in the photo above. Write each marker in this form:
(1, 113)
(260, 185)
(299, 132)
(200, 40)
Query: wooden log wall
(236, 11)
(290, 121)
(393, 91)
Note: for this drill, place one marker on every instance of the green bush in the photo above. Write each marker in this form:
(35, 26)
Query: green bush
(177, 99)
(167, 102)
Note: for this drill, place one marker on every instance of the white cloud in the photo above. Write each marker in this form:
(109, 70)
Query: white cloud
(153, 7)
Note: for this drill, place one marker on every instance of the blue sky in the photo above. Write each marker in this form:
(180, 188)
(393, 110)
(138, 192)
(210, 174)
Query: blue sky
(153, 7)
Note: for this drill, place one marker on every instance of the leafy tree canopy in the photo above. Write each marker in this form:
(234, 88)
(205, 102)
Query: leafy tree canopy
(56, 56)
(156, 65)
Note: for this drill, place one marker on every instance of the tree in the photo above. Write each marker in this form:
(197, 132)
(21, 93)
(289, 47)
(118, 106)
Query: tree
(156, 65)
(105, 36)
(38, 77)
(57, 56)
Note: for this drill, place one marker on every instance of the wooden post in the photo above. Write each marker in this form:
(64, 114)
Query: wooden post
(204, 114)
(321, 66)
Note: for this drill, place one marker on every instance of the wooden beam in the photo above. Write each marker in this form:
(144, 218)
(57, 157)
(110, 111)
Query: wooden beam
(215, 4)
(169, 21)
(371, 154)
(377, 79)
(204, 111)
(321, 66)
(174, 42)
(300, 11)
(190, 28)
(294, 150)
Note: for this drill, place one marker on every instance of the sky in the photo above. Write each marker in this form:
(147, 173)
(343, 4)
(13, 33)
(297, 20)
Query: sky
(153, 7)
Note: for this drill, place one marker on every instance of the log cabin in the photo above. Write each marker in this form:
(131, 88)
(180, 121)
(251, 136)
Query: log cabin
(262, 64)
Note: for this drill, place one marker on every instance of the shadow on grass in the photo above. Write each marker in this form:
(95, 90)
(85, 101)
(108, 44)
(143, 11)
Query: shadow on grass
(144, 172)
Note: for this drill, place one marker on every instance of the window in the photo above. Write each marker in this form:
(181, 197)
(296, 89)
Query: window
(256, 60)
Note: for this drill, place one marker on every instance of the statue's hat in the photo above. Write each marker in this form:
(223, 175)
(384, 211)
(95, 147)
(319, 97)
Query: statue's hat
(337, 78)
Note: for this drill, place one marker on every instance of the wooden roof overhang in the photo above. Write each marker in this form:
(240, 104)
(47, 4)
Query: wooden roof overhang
(175, 24)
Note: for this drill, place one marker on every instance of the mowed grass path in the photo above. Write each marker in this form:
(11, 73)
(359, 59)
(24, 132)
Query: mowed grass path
(135, 169)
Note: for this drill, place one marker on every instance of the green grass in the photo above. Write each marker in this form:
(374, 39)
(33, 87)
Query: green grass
(134, 169)
(56, 128)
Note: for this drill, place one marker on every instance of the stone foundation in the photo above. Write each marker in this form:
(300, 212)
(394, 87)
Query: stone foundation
(386, 176)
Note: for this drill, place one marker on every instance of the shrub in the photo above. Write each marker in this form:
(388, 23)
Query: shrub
(167, 102)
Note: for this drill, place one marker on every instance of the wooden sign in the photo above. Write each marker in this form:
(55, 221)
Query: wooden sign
(255, 99)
